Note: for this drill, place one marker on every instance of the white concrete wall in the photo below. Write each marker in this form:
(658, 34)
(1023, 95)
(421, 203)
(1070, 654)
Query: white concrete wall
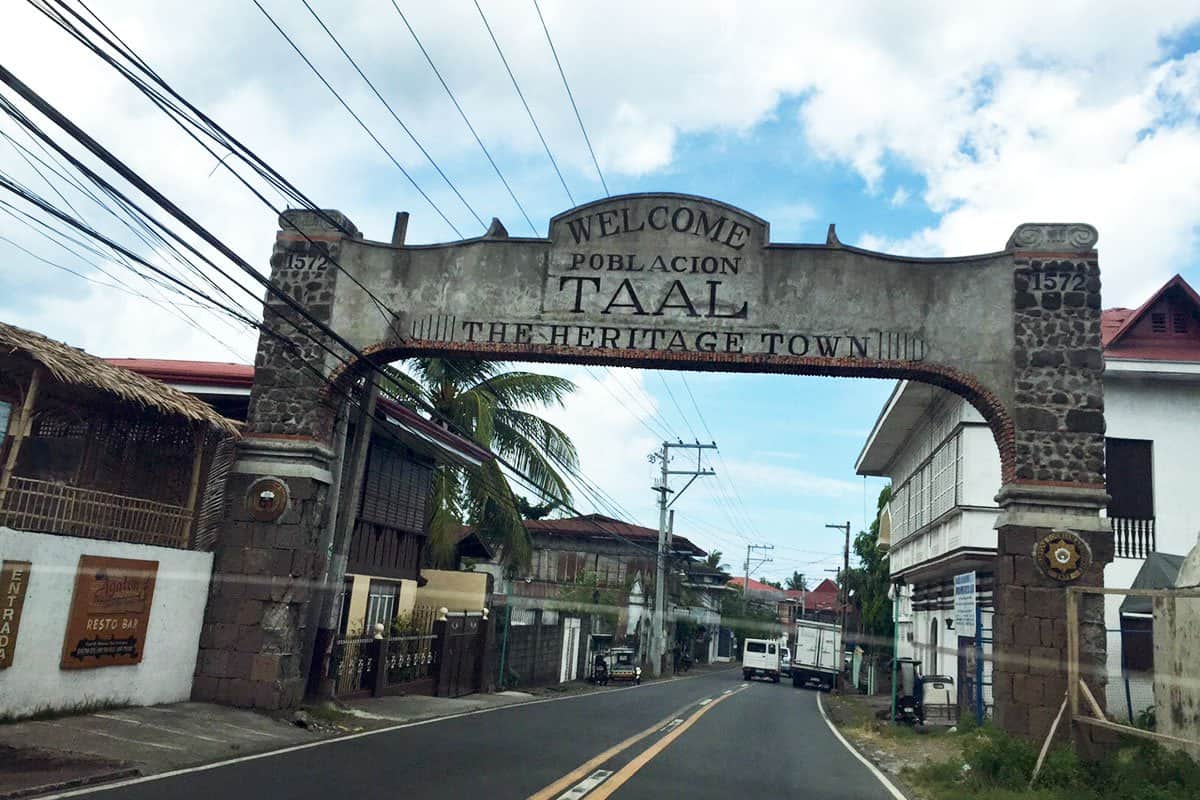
(1168, 412)
(34, 682)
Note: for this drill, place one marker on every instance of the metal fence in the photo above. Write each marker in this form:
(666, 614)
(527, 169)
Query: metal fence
(352, 667)
(408, 653)
(1153, 668)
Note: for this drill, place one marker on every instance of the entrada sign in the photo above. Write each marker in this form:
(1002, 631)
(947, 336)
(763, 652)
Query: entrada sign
(14, 581)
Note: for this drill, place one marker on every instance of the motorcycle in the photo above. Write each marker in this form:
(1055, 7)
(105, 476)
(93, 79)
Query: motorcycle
(600, 672)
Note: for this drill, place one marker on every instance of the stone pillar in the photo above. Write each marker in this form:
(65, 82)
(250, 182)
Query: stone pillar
(255, 646)
(1029, 635)
(1055, 485)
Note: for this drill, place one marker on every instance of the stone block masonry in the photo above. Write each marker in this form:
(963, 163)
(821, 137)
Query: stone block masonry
(255, 647)
(1058, 404)
(675, 281)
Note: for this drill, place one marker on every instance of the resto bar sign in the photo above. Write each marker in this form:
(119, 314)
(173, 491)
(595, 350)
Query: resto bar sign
(110, 611)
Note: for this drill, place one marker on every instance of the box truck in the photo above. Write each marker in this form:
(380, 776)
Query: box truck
(817, 659)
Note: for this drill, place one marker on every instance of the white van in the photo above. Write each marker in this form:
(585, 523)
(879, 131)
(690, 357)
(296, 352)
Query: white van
(760, 657)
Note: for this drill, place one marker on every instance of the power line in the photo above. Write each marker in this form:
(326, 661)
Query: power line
(463, 114)
(161, 200)
(158, 283)
(737, 495)
(358, 119)
(521, 95)
(678, 409)
(395, 116)
(261, 168)
(571, 97)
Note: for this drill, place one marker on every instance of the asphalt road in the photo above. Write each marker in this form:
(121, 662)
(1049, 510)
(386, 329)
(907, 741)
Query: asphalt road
(712, 735)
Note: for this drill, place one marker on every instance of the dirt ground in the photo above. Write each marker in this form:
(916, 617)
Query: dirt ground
(890, 747)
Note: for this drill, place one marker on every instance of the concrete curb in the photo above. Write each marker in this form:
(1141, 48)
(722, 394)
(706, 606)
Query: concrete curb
(73, 783)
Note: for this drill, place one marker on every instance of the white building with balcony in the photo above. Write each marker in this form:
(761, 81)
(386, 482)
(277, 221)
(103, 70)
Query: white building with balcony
(945, 470)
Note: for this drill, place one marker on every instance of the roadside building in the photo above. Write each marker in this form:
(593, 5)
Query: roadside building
(593, 567)
(697, 614)
(110, 487)
(819, 604)
(945, 470)
(387, 578)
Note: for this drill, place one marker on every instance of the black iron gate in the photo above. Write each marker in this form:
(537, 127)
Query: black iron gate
(464, 643)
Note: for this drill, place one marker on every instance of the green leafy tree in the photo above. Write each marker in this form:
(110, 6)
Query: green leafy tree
(534, 511)
(776, 584)
(748, 619)
(869, 581)
(490, 406)
(797, 582)
(713, 559)
(588, 595)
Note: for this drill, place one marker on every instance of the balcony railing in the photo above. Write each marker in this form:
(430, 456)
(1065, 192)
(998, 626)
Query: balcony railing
(47, 507)
(1133, 538)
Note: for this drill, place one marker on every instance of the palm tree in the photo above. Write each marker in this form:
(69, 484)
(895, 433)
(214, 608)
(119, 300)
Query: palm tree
(488, 404)
(797, 582)
(714, 559)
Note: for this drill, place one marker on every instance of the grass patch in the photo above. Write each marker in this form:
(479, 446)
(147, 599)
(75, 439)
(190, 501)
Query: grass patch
(996, 766)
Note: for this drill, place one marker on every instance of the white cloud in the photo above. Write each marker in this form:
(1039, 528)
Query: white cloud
(602, 418)
(899, 197)
(1004, 113)
(791, 482)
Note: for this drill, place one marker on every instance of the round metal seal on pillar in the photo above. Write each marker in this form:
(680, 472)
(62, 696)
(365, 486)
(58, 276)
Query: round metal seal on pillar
(267, 499)
(1062, 555)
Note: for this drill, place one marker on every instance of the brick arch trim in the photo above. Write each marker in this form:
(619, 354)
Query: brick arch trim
(948, 378)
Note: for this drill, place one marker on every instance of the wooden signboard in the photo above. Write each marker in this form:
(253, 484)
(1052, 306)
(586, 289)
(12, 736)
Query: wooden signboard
(14, 578)
(110, 612)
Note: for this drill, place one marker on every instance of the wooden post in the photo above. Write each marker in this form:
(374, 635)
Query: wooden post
(1073, 650)
(344, 513)
(201, 437)
(20, 431)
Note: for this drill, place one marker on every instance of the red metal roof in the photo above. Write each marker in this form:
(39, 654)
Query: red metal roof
(757, 586)
(598, 525)
(222, 375)
(203, 373)
(822, 598)
(1121, 339)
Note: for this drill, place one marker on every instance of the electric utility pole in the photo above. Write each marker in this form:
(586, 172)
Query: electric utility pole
(658, 628)
(845, 578)
(760, 561)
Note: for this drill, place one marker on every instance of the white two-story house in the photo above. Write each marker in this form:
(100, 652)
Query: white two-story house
(945, 471)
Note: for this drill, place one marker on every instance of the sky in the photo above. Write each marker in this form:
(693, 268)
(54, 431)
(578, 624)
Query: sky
(920, 129)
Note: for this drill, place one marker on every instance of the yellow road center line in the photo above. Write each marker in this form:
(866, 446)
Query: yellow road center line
(626, 772)
(575, 775)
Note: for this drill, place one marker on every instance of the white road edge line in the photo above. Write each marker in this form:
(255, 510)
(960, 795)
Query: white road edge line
(321, 742)
(891, 787)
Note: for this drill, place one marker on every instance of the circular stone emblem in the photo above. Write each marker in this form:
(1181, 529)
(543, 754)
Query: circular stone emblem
(267, 499)
(1062, 555)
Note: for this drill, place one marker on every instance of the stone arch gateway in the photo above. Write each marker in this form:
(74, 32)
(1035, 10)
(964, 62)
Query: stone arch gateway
(681, 282)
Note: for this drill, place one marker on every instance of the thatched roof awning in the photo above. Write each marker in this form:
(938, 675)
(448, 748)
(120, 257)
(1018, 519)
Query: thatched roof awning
(70, 365)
